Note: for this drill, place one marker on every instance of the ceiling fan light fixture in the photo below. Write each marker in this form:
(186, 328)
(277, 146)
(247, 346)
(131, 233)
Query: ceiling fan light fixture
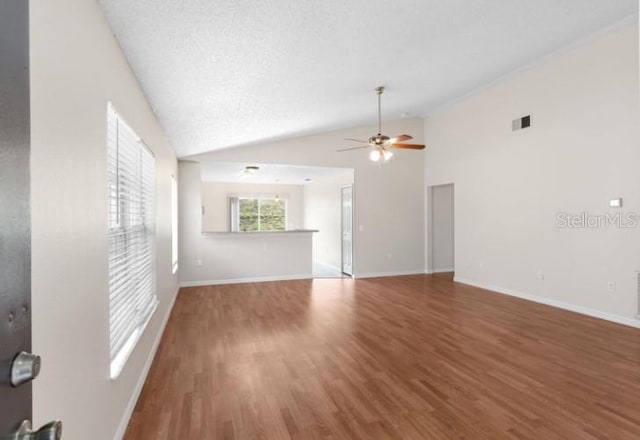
(249, 171)
(380, 154)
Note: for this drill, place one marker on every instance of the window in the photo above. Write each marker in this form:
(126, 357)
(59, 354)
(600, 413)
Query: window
(174, 224)
(251, 214)
(131, 183)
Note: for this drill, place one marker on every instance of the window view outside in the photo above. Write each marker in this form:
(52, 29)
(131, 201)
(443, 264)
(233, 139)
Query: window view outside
(262, 214)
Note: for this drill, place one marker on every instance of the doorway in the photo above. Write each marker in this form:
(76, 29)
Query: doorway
(324, 212)
(441, 234)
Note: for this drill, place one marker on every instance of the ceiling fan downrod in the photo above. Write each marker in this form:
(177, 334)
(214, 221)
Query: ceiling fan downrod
(379, 90)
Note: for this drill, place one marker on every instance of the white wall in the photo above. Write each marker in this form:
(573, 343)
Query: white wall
(442, 232)
(215, 199)
(582, 149)
(223, 258)
(323, 211)
(389, 200)
(76, 67)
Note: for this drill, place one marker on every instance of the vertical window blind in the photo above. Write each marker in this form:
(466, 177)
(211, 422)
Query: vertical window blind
(131, 180)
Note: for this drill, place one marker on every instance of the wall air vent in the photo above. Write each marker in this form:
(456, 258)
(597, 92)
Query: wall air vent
(520, 123)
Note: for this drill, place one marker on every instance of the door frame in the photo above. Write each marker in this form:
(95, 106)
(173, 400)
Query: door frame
(429, 233)
(350, 186)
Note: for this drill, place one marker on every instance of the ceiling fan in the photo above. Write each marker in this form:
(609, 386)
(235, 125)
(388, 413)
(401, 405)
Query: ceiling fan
(250, 170)
(380, 144)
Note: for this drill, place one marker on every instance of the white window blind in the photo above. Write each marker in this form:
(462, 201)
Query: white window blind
(132, 297)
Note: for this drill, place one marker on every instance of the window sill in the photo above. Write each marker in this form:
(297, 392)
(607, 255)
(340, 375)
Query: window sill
(256, 233)
(118, 363)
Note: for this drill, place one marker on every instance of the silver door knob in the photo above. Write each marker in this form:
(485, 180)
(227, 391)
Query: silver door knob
(50, 431)
(25, 367)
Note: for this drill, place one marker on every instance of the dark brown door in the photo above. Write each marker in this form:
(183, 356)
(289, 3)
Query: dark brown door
(15, 224)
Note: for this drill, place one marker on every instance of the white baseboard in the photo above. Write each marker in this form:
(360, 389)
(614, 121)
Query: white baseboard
(388, 274)
(444, 270)
(553, 303)
(246, 280)
(122, 427)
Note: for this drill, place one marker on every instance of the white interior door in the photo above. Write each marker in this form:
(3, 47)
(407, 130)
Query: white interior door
(347, 230)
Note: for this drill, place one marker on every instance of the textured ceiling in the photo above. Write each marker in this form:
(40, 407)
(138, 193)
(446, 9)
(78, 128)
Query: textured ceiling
(222, 73)
(268, 173)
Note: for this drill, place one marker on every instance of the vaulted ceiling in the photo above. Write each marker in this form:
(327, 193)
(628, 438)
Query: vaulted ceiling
(223, 73)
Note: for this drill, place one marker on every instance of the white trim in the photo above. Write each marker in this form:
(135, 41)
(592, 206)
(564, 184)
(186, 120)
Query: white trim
(582, 41)
(218, 234)
(246, 280)
(389, 274)
(553, 303)
(342, 223)
(637, 311)
(446, 269)
(124, 422)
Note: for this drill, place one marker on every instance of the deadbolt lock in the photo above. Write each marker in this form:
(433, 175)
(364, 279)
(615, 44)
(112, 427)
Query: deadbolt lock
(25, 368)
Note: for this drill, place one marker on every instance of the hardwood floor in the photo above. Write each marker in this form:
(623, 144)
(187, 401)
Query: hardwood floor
(415, 357)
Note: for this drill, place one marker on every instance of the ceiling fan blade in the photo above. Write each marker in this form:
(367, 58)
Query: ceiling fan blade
(356, 140)
(408, 146)
(353, 148)
(401, 138)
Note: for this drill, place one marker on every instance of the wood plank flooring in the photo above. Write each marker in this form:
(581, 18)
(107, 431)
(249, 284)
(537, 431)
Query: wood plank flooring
(415, 357)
